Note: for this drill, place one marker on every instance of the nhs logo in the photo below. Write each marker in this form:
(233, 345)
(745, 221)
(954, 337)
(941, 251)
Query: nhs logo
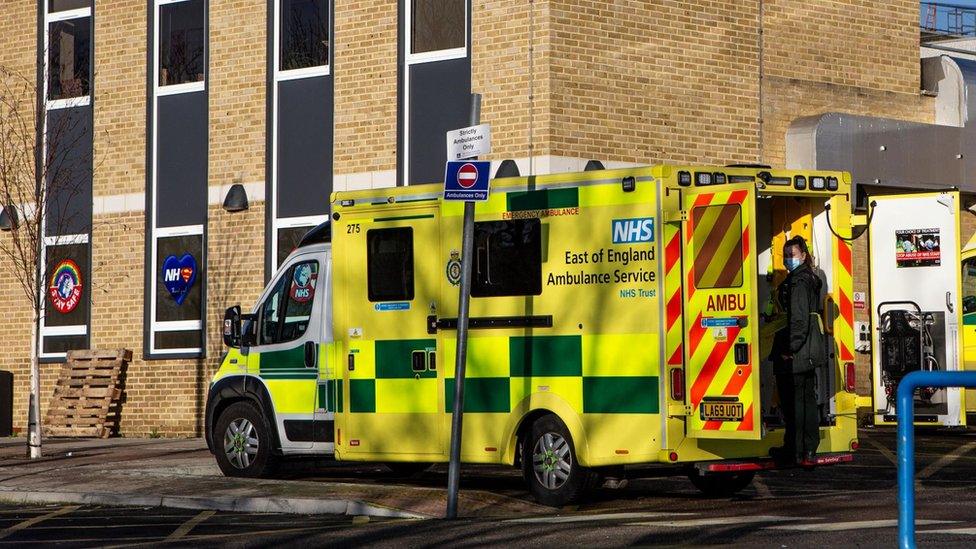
(638, 229)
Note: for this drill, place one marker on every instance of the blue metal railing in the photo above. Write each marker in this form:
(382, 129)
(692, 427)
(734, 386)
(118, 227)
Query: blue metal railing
(947, 19)
(906, 442)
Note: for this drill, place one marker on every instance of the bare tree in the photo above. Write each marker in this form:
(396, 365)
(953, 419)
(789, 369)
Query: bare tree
(40, 184)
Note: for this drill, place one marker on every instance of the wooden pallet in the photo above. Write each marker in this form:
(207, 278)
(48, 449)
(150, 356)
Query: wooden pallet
(88, 394)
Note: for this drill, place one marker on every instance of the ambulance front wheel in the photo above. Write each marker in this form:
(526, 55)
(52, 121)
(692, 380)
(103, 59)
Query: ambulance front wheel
(242, 438)
(720, 485)
(549, 464)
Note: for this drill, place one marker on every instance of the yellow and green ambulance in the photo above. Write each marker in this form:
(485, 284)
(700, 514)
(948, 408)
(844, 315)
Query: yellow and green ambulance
(618, 317)
(969, 315)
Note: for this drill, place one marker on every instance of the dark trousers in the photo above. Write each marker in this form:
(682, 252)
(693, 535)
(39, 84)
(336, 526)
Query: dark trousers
(797, 394)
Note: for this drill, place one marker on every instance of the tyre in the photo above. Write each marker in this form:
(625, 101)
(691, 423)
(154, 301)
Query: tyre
(549, 464)
(243, 442)
(407, 469)
(720, 485)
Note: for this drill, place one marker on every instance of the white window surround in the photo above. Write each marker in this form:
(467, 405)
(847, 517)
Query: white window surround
(416, 59)
(186, 87)
(51, 331)
(54, 104)
(278, 76)
(173, 325)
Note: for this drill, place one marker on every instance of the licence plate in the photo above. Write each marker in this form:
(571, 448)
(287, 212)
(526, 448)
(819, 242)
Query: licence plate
(721, 411)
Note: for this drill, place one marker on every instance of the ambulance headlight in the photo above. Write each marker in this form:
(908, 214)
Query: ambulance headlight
(817, 183)
(831, 183)
(799, 182)
(684, 179)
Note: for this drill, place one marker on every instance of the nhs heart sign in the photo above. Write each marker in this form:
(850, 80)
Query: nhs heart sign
(179, 276)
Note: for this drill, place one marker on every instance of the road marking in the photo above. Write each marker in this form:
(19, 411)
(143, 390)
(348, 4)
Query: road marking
(185, 528)
(31, 522)
(963, 531)
(359, 520)
(884, 451)
(762, 490)
(946, 460)
(853, 525)
(591, 518)
(718, 521)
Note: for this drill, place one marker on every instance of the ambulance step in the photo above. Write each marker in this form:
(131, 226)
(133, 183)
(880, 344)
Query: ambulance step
(765, 464)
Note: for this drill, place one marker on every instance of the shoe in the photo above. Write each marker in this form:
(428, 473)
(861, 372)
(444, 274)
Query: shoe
(809, 460)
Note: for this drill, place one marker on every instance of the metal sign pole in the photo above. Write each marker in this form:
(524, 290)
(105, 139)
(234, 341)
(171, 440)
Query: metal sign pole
(467, 256)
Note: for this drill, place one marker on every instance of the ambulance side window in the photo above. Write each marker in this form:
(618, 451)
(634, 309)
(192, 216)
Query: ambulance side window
(286, 312)
(508, 258)
(270, 316)
(717, 246)
(969, 285)
(389, 264)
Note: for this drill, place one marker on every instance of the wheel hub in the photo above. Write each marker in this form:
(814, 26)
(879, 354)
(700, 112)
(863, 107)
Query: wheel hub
(552, 460)
(240, 443)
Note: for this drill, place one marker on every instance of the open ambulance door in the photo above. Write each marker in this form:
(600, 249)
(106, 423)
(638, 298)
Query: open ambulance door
(916, 302)
(720, 312)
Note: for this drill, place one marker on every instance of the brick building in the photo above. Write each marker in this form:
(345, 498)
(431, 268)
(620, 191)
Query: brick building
(180, 100)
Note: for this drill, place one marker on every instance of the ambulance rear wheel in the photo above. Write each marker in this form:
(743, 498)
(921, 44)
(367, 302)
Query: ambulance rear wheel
(242, 439)
(550, 466)
(720, 485)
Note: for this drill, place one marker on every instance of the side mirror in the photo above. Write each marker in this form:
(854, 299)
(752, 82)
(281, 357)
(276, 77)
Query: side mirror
(232, 326)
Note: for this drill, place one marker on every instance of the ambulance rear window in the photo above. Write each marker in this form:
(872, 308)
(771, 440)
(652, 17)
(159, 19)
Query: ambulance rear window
(508, 258)
(389, 264)
(717, 246)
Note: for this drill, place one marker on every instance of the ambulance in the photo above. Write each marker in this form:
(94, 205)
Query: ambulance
(968, 275)
(919, 303)
(618, 317)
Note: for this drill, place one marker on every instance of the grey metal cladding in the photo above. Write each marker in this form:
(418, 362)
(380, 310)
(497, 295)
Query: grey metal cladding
(304, 149)
(69, 172)
(440, 100)
(181, 159)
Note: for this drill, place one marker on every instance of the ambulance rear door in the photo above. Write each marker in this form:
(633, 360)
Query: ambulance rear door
(914, 253)
(720, 311)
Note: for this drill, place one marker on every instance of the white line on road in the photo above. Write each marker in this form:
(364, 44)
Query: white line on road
(590, 518)
(717, 521)
(963, 531)
(31, 522)
(185, 528)
(884, 451)
(946, 460)
(853, 525)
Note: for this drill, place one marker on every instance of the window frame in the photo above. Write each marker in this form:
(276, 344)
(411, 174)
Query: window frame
(475, 281)
(277, 76)
(45, 331)
(186, 87)
(176, 325)
(284, 277)
(57, 17)
(410, 59)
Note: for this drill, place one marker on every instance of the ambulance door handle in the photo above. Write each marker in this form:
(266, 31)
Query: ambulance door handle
(310, 355)
(949, 305)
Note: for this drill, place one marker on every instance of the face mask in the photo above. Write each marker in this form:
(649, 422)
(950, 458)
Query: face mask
(792, 263)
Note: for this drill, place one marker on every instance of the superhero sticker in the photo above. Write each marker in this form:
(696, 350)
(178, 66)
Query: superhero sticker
(65, 290)
(179, 274)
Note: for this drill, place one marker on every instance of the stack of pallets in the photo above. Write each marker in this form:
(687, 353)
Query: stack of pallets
(87, 397)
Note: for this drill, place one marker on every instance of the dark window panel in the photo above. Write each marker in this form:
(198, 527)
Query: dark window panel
(288, 240)
(69, 58)
(184, 339)
(181, 160)
(389, 264)
(437, 25)
(508, 258)
(304, 178)
(63, 344)
(440, 101)
(304, 34)
(182, 39)
(67, 285)
(69, 172)
(64, 5)
(179, 292)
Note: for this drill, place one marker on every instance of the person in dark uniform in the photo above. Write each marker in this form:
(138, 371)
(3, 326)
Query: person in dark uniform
(799, 349)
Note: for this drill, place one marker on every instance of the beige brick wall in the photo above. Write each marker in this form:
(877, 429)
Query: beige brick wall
(619, 80)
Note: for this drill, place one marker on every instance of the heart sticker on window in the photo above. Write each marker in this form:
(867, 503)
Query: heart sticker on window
(179, 276)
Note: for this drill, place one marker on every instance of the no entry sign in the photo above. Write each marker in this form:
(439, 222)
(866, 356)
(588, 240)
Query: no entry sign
(466, 180)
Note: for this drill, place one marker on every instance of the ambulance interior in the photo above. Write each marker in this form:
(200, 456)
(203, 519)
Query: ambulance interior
(778, 218)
